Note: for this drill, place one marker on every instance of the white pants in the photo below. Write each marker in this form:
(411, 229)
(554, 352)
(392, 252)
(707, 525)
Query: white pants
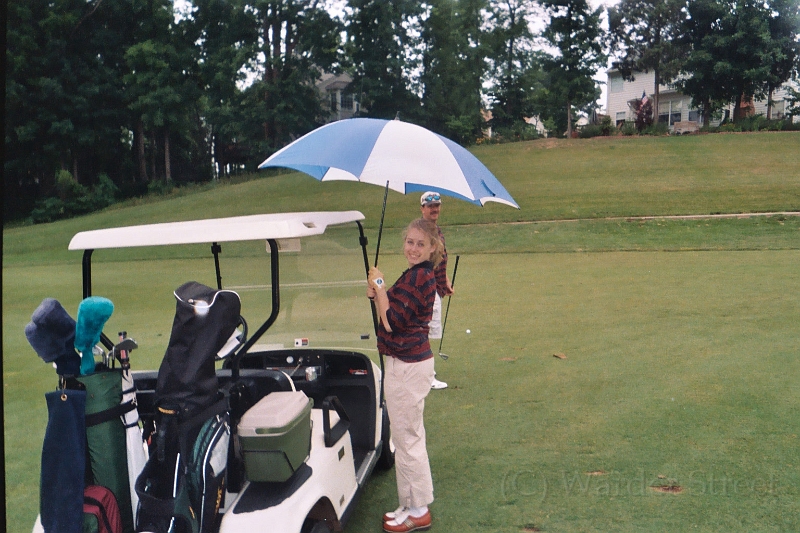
(436, 320)
(406, 385)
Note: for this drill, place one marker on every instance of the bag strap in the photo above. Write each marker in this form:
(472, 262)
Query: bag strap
(110, 414)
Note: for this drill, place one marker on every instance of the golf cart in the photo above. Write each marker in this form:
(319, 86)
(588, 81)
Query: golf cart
(307, 425)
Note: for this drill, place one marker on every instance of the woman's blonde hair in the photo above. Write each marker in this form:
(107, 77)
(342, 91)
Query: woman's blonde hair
(431, 231)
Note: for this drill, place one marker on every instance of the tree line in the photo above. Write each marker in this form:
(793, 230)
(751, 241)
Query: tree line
(108, 99)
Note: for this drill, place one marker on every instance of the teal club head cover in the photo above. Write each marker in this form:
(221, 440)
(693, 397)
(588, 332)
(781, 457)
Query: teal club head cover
(93, 313)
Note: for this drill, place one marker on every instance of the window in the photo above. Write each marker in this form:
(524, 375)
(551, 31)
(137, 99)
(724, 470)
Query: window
(694, 115)
(334, 101)
(778, 109)
(615, 84)
(347, 102)
(669, 118)
(669, 112)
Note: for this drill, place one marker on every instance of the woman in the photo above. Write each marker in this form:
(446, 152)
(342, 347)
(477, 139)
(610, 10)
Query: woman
(404, 312)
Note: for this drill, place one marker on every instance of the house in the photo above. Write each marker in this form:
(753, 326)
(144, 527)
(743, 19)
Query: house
(673, 107)
(336, 98)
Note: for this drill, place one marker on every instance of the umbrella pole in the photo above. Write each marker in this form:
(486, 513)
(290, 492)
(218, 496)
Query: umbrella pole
(380, 228)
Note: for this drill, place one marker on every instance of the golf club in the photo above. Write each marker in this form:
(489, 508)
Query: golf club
(444, 324)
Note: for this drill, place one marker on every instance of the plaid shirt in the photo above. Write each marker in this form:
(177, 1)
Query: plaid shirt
(410, 311)
(441, 270)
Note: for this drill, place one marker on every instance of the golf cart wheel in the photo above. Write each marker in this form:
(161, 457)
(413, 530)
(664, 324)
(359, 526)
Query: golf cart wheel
(320, 527)
(386, 460)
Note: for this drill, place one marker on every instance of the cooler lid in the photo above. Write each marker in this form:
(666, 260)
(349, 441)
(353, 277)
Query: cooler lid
(274, 412)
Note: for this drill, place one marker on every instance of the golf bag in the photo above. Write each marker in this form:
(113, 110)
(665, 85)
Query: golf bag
(106, 438)
(100, 509)
(84, 441)
(181, 487)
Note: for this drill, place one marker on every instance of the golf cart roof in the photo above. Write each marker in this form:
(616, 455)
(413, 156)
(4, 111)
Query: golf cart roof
(215, 230)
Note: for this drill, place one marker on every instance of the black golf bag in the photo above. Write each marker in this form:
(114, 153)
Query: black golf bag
(182, 485)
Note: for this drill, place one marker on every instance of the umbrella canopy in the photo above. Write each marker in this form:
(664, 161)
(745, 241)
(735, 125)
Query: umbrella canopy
(409, 157)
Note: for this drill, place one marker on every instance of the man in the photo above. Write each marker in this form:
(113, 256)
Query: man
(431, 207)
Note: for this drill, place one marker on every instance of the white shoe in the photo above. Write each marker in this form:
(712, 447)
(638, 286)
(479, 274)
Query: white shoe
(391, 515)
(438, 385)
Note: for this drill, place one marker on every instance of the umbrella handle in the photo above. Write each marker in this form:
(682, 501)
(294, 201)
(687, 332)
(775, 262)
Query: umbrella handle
(380, 228)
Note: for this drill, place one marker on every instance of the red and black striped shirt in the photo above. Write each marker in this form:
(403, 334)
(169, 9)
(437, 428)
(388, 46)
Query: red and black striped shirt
(410, 311)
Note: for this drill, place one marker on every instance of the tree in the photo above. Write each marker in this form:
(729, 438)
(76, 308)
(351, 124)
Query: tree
(297, 39)
(515, 69)
(382, 49)
(574, 30)
(647, 36)
(784, 53)
(705, 40)
(65, 100)
(740, 49)
(453, 68)
(226, 38)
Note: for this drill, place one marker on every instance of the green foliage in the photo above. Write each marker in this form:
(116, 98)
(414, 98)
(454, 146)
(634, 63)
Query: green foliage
(657, 129)
(628, 128)
(74, 199)
(160, 187)
(726, 37)
(646, 36)
(729, 127)
(68, 187)
(606, 125)
(379, 36)
(590, 130)
(453, 68)
(515, 67)
(574, 31)
(520, 131)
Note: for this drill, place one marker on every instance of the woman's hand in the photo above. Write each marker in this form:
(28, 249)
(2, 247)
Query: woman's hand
(376, 291)
(375, 279)
(448, 288)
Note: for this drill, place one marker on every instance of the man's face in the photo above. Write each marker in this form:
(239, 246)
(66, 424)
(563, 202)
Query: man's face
(431, 212)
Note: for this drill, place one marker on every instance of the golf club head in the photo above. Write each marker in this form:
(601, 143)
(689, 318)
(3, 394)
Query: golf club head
(444, 356)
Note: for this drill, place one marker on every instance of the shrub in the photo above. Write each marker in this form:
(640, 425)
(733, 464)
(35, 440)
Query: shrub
(159, 187)
(74, 199)
(729, 127)
(659, 128)
(590, 130)
(519, 131)
(606, 125)
(628, 128)
(753, 123)
(68, 187)
(48, 210)
(789, 125)
(104, 193)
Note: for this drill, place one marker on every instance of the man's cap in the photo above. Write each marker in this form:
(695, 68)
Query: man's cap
(430, 197)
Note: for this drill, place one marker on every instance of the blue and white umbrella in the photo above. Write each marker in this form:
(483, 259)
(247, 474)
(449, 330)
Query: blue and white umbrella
(408, 157)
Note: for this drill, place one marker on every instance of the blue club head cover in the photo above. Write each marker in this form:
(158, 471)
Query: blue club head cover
(93, 313)
(51, 333)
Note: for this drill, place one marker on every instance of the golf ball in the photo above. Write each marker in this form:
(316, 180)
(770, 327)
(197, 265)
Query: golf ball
(468, 331)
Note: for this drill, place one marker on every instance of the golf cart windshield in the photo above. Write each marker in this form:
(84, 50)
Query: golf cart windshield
(316, 291)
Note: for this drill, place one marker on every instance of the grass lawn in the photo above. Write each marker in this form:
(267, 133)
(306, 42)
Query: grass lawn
(680, 336)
